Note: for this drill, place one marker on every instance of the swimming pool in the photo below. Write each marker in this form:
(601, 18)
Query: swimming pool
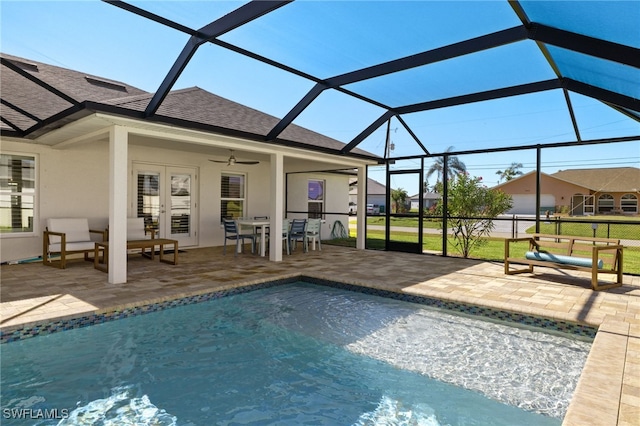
(293, 354)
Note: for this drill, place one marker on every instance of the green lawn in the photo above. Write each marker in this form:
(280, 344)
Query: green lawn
(493, 250)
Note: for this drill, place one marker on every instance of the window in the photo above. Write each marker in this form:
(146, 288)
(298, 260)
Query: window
(232, 194)
(315, 205)
(605, 203)
(17, 193)
(629, 203)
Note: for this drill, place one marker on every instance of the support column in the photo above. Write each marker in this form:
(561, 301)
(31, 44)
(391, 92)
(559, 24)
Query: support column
(361, 214)
(118, 152)
(276, 206)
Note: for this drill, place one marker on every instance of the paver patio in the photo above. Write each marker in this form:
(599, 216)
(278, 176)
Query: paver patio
(608, 392)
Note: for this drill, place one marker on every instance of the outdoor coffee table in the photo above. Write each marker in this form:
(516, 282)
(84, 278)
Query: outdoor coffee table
(137, 244)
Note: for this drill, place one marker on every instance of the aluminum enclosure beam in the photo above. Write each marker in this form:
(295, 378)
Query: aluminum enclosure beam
(235, 19)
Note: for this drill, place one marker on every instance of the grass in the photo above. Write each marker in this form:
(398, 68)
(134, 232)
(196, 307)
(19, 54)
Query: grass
(493, 250)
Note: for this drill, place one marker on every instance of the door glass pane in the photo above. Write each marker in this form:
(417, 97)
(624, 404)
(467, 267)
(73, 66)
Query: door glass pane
(180, 204)
(148, 202)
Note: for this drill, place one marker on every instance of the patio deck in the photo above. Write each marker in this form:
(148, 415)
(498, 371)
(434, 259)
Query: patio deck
(608, 392)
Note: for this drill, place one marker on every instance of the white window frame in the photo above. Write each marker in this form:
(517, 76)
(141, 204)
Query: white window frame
(606, 200)
(34, 194)
(629, 203)
(310, 200)
(243, 198)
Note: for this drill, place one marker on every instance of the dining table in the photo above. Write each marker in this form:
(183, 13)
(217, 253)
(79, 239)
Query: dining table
(257, 223)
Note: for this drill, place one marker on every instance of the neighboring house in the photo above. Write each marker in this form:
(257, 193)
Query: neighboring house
(77, 145)
(577, 192)
(430, 199)
(376, 195)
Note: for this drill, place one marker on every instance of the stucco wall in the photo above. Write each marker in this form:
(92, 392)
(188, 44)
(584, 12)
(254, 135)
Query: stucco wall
(73, 182)
(562, 191)
(336, 198)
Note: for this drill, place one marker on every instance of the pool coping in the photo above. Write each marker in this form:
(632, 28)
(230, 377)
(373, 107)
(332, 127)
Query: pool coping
(599, 394)
(13, 333)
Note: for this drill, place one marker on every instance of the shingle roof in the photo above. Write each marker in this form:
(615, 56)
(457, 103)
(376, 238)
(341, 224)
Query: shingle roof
(188, 107)
(619, 179)
(41, 103)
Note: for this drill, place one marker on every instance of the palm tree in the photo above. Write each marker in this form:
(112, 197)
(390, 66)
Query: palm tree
(399, 197)
(510, 172)
(454, 166)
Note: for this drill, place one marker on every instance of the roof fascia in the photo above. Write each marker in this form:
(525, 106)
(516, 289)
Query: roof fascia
(89, 107)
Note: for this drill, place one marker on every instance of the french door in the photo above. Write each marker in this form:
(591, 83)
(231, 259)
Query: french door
(167, 198)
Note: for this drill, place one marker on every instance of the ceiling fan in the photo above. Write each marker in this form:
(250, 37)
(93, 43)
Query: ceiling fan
(232, 160)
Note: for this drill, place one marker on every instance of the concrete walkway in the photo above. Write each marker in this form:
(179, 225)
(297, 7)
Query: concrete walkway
(608, 392)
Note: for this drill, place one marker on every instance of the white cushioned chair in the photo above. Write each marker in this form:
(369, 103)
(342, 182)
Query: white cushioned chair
(137, 231)
(65, 236)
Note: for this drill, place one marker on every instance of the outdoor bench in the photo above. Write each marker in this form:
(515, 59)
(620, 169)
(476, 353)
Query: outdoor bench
(595, 255)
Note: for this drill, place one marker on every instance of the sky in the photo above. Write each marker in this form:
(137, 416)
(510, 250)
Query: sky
(328, 38)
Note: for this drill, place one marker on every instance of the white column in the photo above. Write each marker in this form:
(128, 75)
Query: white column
(276, 207)
(118, 147)
(362, 208)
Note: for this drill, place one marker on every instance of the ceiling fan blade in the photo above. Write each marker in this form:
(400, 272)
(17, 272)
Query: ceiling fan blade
(232, 160)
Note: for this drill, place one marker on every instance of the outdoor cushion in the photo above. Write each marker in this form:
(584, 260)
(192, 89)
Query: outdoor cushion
(135, 229)
(76, 230)
(73, 246)
(567, 260)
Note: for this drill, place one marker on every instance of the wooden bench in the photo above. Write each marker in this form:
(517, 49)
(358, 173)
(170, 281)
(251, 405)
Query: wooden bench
(595, 255)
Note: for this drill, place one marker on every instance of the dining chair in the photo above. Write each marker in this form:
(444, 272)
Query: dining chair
(285, 234)
(266, 229)
(232, 232)
(297, 232)
(313, 233)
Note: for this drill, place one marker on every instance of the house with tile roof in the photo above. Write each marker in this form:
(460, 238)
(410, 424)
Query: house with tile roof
(577, 192)
(80, 145)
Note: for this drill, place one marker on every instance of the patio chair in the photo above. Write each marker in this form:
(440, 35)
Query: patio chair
(232, 232)
(313, 233)
(65, 236)
(298, 232)
(136, 229)
(285, 234)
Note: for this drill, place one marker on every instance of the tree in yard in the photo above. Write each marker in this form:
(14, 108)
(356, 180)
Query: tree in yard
(471, 210)
(454, 167)
(399, 197)
(511, 172)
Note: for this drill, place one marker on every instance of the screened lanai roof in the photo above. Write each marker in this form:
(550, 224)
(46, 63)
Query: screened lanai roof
(480, 75)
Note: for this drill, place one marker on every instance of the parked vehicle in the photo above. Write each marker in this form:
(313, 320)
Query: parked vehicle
(353, 208)
(373, 209)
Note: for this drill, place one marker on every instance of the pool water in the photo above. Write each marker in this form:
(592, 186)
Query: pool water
(292, 354)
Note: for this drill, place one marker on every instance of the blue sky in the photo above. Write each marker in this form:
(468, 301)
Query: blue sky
(96, 38)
